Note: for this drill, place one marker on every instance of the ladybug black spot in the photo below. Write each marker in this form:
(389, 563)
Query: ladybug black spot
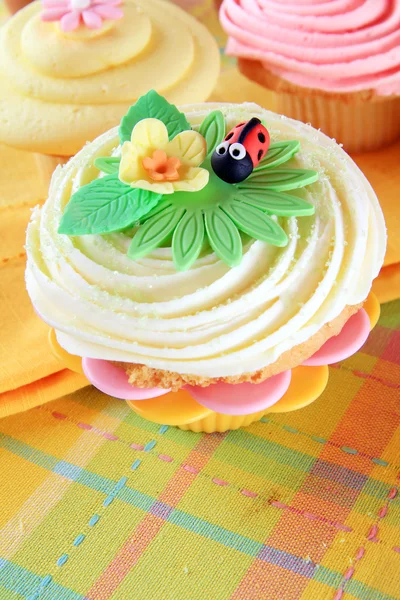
(239, 125)
(260, 153)
(261, 137)
(229, 136)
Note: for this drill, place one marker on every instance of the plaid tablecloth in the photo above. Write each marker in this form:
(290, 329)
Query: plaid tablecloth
(98, 504)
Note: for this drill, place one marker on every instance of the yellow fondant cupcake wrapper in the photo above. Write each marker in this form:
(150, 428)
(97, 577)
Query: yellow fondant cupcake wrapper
(181, 410)
(307, 385)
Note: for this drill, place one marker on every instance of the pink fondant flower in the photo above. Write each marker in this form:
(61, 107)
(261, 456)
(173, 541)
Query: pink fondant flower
(71, 13)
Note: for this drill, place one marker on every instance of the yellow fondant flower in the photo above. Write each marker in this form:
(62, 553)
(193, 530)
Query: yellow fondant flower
(151, 162)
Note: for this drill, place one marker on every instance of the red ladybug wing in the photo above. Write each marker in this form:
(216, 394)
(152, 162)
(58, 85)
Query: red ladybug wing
(234, 133)
(257, 143)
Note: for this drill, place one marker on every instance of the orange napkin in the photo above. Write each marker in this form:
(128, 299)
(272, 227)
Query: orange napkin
(29, 374)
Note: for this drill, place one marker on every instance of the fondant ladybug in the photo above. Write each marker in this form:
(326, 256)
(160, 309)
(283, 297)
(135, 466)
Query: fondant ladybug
(243, 148)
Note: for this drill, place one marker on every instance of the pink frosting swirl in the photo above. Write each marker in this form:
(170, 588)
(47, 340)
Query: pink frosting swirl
(332, 45)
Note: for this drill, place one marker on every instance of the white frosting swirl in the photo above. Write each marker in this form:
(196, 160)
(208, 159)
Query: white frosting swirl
(212, 320)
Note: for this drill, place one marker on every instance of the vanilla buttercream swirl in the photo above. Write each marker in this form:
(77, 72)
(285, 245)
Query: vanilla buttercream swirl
(336, 46)
(211, 320)
(60, 89)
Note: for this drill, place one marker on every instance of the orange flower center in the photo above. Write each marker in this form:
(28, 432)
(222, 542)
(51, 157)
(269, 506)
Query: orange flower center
(161, 167)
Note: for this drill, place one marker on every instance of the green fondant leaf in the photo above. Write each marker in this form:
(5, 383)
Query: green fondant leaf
(223, 236)
(278, 153)
(279, 180)
(255, 223)
(154, 106)
(188, 240)
(108, 164)
(277, 203)
(105, 205)
(166, 202)
(155, 232)
(213, 130)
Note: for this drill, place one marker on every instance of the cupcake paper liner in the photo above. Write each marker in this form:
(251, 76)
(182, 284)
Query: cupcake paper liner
(361, 121)
(216, 422)
(359, 126)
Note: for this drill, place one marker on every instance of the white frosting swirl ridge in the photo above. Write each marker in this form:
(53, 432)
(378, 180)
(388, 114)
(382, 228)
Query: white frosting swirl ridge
(212, 320)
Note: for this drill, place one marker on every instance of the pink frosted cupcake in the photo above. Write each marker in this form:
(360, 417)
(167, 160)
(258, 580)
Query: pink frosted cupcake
(334, 64)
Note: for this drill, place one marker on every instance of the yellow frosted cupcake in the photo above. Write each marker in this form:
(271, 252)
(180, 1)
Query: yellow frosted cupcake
(207, 263)
(335, 65)
(70, 69)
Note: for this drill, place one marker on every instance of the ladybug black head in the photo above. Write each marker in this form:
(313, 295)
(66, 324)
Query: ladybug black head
(231, 162)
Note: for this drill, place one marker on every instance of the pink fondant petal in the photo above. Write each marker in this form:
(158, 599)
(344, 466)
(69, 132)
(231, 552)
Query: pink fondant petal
(70, 21)
(92, 20)
(53, 14)
(107, 2)
(114, 381)
(242, 398)
(55, 4)
(108, 12)
(346, 343)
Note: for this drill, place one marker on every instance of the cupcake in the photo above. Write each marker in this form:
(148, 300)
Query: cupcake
(70, 69)
(207, 262)
(332, 64)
